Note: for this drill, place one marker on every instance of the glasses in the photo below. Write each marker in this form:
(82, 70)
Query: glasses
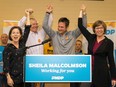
(99, 28)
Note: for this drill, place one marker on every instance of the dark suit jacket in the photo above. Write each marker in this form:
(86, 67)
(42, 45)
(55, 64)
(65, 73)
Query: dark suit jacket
(102, 73)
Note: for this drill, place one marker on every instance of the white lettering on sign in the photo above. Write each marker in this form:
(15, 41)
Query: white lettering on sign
(57, 77)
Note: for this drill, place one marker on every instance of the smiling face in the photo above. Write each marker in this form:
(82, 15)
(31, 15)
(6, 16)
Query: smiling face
(99, 31)
(99, 28)
(34, 25)
(15, 34)
(63, 24)
(62, 27)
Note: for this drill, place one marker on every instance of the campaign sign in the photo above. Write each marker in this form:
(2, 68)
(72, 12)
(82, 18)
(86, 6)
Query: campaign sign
(58, 68)
(1, 59)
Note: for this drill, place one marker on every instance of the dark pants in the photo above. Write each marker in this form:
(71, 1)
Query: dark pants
(18, 85)
(28, 85)
(3, 81)
(42, 84)
(21, 85)
(75, 84)
(89, 85)
(85, 85)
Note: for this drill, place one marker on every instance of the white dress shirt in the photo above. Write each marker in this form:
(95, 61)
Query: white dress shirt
(35, 38)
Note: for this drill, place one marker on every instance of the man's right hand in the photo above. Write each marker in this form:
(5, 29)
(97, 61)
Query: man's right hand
(28, 11)
(49, 9)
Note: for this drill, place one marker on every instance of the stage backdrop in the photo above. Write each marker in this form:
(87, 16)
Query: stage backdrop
(7, 24)
(111, 33)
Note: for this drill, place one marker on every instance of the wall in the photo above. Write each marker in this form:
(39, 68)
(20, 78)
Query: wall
(14, 10)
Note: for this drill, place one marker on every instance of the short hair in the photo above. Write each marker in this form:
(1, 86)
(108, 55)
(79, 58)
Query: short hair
(14, 27)
(65, 20)
(32, 19)
(79, 41)
(4, 34)
(98, 23)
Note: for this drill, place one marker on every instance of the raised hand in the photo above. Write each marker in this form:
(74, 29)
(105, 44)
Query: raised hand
(28, 11)
(49, 9)
(83, 9)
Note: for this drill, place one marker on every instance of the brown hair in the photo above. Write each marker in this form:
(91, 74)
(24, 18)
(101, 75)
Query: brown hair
(79, 41)
(98, 23)
(65, 20)
(15, 27)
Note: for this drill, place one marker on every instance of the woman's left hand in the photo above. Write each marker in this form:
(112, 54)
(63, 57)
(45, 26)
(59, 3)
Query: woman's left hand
(113, 83)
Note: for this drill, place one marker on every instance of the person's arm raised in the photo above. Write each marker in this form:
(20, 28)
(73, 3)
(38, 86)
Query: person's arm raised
(28, 17)
(22, 21)
(27, 26)
(46, 26)
(81, 26)
(82, 15)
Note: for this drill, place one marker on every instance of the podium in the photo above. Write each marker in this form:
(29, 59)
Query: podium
(58, 68)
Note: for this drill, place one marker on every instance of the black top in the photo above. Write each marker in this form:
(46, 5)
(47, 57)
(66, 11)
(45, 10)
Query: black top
(102, 74)
(13, 58)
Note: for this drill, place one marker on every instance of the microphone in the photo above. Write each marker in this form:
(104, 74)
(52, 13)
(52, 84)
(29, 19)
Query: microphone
(45, 41)
(23, 49)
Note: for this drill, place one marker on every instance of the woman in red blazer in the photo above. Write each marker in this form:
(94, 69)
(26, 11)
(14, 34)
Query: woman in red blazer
(101, 49)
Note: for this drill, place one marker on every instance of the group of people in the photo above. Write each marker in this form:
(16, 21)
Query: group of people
(63, 42)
